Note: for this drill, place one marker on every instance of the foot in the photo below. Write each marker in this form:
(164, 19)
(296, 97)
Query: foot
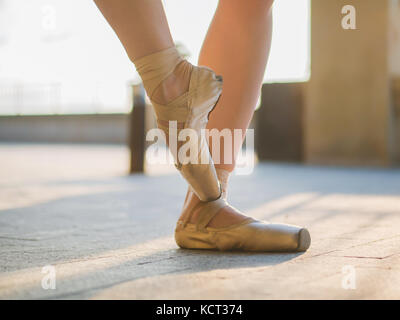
(182, 96)
(200, 228)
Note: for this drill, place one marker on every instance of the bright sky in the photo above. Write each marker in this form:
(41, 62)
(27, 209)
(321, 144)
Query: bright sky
(67, 44)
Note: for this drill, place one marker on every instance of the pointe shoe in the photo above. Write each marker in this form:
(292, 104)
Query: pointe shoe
(189, 111)
(248, 235)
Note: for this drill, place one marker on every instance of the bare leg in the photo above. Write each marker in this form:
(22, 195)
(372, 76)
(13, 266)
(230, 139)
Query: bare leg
(143, 29)
(243, 28)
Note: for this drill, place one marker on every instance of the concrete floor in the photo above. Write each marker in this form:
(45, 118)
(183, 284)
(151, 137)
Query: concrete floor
(111, 236)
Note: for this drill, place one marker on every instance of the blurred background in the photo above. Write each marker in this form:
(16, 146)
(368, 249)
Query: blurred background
(65, 78)
(63, 58)
(330, 95)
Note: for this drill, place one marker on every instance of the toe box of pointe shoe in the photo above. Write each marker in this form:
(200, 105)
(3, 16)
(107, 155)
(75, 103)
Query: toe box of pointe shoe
(304, 240)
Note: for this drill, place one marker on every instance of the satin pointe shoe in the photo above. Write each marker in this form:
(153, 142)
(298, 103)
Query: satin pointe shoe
(248, 235)
(188, 111)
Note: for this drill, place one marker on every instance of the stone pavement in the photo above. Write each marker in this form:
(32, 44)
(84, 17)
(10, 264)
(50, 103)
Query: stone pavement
(110, 236)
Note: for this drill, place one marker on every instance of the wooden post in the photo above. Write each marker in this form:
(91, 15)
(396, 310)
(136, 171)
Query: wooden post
(137, 130)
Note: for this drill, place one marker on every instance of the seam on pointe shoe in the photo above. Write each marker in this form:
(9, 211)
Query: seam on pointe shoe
(216, 230)
(173, 101)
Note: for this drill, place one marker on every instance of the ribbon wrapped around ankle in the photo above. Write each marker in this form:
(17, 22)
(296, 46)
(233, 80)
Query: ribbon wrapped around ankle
(156, 67)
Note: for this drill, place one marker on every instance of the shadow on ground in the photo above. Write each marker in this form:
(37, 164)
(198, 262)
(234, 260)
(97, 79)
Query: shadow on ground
(126, 212)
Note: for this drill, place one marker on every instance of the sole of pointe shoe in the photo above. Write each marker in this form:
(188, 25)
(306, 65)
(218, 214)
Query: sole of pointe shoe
(304, 240)
(201, 175)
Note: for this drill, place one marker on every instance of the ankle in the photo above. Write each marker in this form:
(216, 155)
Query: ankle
(165, 74)
(192, 201)
(189, 207)
(176, 84)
